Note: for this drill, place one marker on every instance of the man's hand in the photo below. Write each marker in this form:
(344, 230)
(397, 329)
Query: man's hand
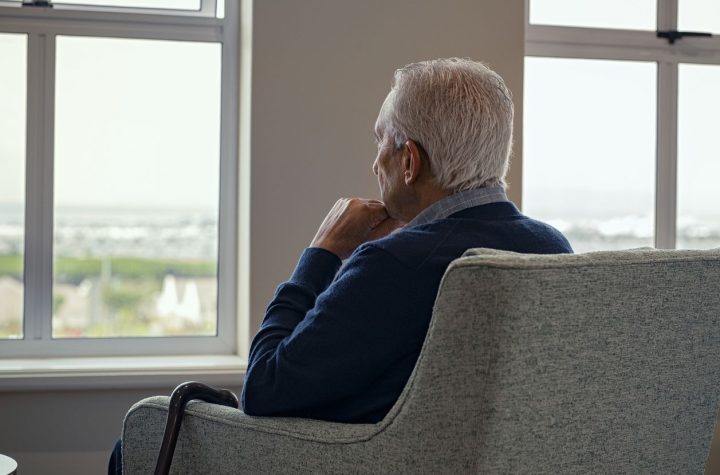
(351, 222)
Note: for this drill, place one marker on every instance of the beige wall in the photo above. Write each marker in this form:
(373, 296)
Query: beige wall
(65, 432)
(321, 69)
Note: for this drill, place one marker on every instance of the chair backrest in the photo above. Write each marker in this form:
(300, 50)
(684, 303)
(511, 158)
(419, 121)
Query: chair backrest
(606, 361)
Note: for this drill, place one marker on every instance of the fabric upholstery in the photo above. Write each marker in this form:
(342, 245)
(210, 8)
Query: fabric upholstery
(597, 362)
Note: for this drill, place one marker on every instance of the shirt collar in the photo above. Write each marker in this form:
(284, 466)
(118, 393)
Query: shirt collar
(457, 202)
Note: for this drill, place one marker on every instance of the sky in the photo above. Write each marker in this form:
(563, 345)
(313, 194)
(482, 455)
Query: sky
(137, 121)
(589, 138)
(693, 15)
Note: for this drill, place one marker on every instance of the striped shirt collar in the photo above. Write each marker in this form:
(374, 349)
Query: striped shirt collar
(457, 202)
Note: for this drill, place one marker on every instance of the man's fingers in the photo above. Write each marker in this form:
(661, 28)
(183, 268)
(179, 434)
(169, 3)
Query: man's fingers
(375, 205)
(385, 227)
(351, 222)
(378, 215)
(375, 210)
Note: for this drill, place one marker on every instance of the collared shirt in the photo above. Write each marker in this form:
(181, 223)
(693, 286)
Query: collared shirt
(457, 202)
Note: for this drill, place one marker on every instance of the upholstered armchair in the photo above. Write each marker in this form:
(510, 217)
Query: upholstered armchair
(597, 362)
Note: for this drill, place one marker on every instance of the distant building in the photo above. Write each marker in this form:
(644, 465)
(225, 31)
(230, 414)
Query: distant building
(11, 307)
(170, 306)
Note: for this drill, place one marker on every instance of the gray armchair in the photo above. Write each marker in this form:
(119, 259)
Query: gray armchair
(598, 362)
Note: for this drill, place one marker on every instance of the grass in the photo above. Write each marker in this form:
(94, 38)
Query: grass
(76, 269)
(124, 298)
(11, 264)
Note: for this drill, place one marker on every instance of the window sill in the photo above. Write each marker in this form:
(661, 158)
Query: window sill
(119, 372)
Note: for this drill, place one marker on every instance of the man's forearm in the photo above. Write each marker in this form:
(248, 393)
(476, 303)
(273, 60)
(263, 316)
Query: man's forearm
(314, 272)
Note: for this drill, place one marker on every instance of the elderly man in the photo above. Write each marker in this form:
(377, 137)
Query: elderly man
(340, 344)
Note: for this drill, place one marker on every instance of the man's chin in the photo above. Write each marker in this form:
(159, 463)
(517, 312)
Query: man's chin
(392, 212)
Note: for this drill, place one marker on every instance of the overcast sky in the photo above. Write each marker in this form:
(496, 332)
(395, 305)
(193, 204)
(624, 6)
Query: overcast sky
(137, 122)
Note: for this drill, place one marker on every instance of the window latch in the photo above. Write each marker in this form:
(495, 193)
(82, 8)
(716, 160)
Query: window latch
(37, 3)
(673, 35)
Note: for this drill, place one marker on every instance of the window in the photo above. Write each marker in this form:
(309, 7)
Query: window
(118, 177)
(619, 143)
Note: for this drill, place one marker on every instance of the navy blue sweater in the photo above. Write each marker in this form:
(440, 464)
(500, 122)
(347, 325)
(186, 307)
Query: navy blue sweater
(341, 346)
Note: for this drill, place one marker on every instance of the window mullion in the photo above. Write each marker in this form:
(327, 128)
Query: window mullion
(48, 178)
(242, 286)
(667, 14)
(666, 169)
(228, 207)
(667, 117)
(110, 24)
(39, 188)
(208, 8)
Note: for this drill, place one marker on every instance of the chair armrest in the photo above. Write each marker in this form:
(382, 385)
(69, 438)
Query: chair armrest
(219, 439)
(179, 398)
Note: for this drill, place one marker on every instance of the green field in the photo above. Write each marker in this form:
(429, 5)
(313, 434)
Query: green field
(76, 269)
(126, 288)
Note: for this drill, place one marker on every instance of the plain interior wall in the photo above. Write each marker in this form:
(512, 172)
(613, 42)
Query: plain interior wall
(66, 432)
(321, 69)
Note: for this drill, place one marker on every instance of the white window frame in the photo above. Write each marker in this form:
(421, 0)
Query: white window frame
(635, 45)
(42, 25)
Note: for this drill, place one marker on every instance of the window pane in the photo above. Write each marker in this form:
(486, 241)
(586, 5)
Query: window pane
(161, 4)
(136, 187)
(589, 150)
(620, 14)
(698, 157)
(699, 15)
(13, 54)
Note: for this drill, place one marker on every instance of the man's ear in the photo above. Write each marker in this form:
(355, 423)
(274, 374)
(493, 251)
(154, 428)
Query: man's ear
(412, 162)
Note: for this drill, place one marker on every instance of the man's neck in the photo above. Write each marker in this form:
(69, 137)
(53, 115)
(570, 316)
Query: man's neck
(426, 196)
(452, 203)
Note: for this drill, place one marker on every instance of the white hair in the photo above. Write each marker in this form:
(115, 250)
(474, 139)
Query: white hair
(461, 113)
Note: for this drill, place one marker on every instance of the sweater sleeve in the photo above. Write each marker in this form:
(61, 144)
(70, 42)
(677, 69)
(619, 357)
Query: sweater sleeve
(324, 340)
